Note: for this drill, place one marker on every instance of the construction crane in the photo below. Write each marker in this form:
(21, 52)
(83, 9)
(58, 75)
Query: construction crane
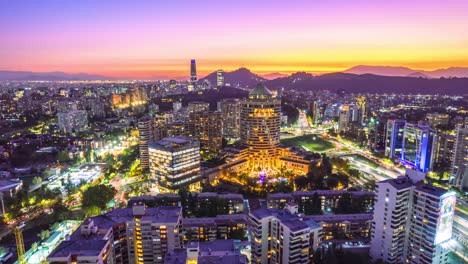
(17, 230)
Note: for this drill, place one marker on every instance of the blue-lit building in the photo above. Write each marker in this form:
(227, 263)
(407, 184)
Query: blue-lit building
(394, 138)
(417, 147)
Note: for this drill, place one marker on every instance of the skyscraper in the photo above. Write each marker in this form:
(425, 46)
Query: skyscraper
(394, 138)
(459, 171)
(230, 109)
(417, 147)
(175, 163)
(219, 78)
(361, 109)
(318, 111)
(260, 126)
(193, 74)
(411, 220)
(145, 129)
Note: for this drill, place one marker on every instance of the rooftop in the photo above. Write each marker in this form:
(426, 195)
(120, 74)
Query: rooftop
(293, 222)
(79, 248)
(260, 89)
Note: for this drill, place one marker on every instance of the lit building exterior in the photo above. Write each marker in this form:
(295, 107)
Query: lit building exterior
(212, 228)
(114, 237)
(260, 126)
(435, 119)
(193, 75)
(219, 78)
(174, 163)
(394, 138)
(230, 108)
(411, 220)
(348, 114)
(282, 236)
(417, 147)
(194, 107)
(444, 146)
(73, 121)
(318, 111)
(459, 171)
(208, 128)
(213, 252)
(145, 129)
(361, 108)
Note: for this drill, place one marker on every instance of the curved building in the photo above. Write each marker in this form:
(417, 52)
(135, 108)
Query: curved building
(260, 119)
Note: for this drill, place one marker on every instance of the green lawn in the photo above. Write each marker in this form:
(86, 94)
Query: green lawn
(312, 143)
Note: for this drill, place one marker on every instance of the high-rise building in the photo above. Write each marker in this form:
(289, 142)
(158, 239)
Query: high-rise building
(318, 111)
(230, 109)
(175, 163)
(219, 78)
(444, 146)
(145, 129)
(417, 147)
(347, 115)
(361, 109)
(260, 126)
(124, 235)
(282, 236)
(208, 128)
(73, 121)
(394, 138)
(459, 171)
(411, 221)
(197, 106)
(193, 75)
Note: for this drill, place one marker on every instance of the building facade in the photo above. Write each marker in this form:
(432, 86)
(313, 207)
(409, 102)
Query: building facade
(230, 109)
(417, 147)
(459, 171)
(411, 221)
(175, 163)
(260, 126)
(394, 138)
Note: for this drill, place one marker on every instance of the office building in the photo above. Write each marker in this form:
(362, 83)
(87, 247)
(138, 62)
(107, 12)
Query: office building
(207, 127)
(230, 109)
(459, 171)
(134, 235)
(213, 252)
(361, 110)
(219, 78)
(193, 75)
(73, 121)
(394, 138)
(318, 111)
(196, 106)
(260, 126)
(282, 236)
(347, 115)
(444, 147)
(175, 163)
(417, 147)
(411, 221)
(145, 130)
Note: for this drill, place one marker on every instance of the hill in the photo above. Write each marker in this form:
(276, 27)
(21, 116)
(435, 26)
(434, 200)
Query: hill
(460, 72)
(369, 83)
(239, 78)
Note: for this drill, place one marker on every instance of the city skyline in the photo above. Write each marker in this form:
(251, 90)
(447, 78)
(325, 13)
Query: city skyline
(155, 40)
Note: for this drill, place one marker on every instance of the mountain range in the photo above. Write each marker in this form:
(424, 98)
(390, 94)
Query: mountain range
(48, 76)
(408, 72)
(381, 79)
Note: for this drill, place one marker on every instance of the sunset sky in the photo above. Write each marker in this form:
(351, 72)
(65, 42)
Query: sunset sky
(149, 39)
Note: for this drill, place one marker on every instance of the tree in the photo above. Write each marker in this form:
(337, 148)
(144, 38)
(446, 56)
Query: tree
(36, 180)
(98, 196)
